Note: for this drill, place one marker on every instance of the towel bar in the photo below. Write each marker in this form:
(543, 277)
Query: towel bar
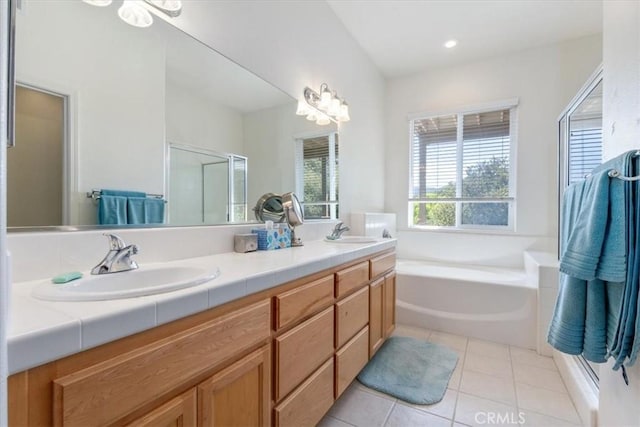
(615, 174)
(96, 194)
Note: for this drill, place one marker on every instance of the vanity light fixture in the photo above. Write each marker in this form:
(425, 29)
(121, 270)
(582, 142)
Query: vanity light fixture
(138, 12)
(99, 3)
(324, 107)
(133, 13)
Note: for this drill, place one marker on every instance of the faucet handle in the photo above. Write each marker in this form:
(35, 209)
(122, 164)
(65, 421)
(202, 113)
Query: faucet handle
(115, 242)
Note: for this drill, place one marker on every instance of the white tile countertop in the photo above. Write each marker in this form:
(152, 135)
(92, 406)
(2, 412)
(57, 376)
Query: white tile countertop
(43, 331)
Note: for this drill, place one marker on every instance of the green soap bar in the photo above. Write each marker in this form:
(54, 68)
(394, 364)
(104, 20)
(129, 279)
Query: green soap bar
(66, 277)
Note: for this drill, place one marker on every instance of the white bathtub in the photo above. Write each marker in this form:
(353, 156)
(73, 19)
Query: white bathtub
(489, 303)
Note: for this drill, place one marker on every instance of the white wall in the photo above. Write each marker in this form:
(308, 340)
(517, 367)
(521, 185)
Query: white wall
(298, 44)
(192, 119)
(544, 79)
(117, 95)
(619, 402)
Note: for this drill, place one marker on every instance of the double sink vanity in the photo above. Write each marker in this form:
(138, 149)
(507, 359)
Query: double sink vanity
(268, 338)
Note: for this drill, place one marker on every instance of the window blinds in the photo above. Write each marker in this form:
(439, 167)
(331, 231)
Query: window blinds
(585, 152)
(473, 163)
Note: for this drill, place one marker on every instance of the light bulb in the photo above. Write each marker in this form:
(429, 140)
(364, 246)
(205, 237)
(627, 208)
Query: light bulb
(312, 116)
(99, 3)
(334, 107)
(170, 7)
(323, 120)
(135, 14)
(325, 98)
(344, 113)
(303, 108)
(451, 43)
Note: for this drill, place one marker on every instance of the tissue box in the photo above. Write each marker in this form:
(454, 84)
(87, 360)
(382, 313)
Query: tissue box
(276, 238)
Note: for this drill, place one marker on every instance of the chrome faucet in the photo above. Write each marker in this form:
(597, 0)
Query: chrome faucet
(118, 258)
(337, 231)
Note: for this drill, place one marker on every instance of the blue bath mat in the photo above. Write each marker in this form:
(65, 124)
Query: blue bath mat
(409, 369)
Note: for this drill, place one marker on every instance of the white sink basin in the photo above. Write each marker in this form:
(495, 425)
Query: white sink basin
(352, 239)
(134, 283)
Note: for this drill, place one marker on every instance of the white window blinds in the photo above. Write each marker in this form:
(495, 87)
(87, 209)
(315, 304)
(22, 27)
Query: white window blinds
(585, 151)
(460, 169)
(317, 176)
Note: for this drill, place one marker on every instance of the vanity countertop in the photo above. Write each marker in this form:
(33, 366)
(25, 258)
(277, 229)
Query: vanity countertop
(43, 331)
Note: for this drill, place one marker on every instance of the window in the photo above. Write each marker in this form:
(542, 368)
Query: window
(584, 148)
(317, 176)
(461, 170)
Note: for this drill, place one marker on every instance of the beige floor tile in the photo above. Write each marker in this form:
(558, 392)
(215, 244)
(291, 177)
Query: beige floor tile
(539, 377)
(487, 348)
(444, 408)
(411, 331)
(476, 411)
(406, 416)
(488, 365)
(456, 376)
(523, 356)
(328, 421)
(546, 402)
(455, 342)
(488, 387)
(533, 419)
(359, 408)
(363, 387)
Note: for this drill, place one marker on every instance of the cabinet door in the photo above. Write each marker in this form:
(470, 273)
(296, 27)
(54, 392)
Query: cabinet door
(178, 412)
(376, 304)
(389, 316)
(239, 395)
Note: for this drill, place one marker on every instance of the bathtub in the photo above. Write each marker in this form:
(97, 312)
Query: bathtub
(488, 303)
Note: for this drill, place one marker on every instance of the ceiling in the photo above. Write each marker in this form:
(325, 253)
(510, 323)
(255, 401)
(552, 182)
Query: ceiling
(407, 36)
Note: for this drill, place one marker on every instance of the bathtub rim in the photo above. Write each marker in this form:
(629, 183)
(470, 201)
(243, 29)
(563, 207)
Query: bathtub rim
(521, 277)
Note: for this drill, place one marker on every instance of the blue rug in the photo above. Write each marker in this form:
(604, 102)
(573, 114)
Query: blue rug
(409, 369)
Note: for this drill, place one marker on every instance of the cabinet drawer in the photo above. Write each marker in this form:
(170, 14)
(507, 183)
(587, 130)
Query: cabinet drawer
(301, 350)
(351, 278)
(303, 301)
(352, 314)
(382, 263)
(308, 403)
(103, 393)
(350, 360)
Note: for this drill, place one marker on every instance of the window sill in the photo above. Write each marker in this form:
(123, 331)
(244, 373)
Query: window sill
(485, 231)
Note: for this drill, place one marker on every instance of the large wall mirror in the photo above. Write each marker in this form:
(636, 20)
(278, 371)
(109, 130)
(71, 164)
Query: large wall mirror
(99, 102)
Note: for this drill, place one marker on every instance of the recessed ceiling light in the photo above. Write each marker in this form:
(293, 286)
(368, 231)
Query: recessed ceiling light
(450, 43)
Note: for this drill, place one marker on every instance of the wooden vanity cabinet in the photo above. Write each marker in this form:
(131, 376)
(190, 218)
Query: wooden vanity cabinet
(150, 378)
(279, 357)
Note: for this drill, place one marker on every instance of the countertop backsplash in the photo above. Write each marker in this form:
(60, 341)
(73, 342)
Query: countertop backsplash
(37, 255)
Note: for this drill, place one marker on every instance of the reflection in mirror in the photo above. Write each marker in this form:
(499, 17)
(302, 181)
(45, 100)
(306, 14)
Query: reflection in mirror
(206, 187)
(129, 90)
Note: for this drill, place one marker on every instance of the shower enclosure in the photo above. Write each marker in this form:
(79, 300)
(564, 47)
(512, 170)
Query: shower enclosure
(205, 186)
(580, 150)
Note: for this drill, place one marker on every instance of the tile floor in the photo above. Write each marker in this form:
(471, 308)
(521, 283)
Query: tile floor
(493, 384)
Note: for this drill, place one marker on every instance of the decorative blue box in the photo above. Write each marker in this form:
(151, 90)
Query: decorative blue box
(276, 238)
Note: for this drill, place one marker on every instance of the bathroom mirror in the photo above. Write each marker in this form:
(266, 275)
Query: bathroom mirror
(122, 94)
